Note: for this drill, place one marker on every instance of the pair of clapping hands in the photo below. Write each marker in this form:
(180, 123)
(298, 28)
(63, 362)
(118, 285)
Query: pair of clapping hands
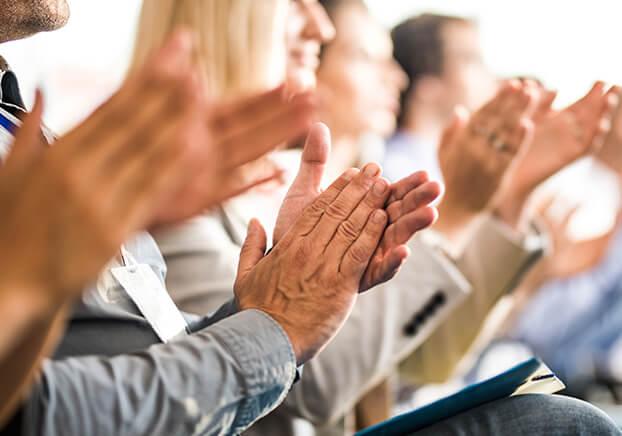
(159, 152)
(495, 158)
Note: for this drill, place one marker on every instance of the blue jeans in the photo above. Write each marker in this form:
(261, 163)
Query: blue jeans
(528, 415)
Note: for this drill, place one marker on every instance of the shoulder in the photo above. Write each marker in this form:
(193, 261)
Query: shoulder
(202, 233)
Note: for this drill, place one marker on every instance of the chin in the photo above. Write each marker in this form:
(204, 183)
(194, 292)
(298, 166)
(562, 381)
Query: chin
(59, 14)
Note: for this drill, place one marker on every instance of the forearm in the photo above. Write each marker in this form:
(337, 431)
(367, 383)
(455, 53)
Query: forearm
(36, 326)
(218, 380)
(454, 222)
(493, 262)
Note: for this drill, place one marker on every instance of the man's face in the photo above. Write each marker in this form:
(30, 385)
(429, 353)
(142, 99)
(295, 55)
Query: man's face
(22, 18)
(466, 78)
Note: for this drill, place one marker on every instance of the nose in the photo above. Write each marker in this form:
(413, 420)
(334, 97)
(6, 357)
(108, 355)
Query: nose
(397, 75)
(318, 25)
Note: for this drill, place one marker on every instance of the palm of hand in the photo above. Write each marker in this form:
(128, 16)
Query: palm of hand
(561, 137)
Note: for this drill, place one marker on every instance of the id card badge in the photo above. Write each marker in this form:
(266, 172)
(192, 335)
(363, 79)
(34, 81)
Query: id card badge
(147, 292)
(9, 124)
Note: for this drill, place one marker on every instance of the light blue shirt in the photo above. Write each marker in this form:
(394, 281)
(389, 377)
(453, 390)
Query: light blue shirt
(232, 370)
(407, 153)
(572, 323)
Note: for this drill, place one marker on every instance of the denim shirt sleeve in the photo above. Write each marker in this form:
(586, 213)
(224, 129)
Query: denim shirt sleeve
(217, 381)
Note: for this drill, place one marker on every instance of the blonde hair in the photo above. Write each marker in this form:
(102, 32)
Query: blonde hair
(240, 43)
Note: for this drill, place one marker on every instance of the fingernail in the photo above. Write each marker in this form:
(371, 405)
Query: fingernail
(371, 170)
(380, 187)
(378, 216)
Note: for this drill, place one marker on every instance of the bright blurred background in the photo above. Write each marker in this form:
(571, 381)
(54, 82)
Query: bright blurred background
(567, 45)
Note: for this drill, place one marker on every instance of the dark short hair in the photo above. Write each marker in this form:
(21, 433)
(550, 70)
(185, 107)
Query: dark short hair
(418, 47)
(332, 6)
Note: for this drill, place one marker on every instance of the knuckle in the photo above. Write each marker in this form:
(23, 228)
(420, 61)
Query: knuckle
(360, 254)
(348, 230)
(337, 210)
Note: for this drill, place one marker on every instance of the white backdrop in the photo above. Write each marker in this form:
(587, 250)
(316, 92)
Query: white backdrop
(568, 44)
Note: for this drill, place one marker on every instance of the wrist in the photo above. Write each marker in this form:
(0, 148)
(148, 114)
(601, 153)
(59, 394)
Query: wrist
(452, 222)
(32, 302)
(510, 206)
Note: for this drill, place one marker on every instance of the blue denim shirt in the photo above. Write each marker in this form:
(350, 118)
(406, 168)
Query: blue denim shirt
(233, 369)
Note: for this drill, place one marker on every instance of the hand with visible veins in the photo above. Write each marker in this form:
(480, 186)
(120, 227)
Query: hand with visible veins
(408, 207)
(310, 280)
(477, 151)
(560, 138)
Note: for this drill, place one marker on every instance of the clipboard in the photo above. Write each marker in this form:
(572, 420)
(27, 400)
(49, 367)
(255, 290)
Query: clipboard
(529, 377)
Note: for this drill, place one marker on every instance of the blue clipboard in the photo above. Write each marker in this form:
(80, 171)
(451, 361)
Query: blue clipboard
(501, 386)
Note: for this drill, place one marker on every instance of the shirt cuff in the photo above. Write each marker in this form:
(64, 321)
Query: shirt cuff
(264, 354)
(499, 256)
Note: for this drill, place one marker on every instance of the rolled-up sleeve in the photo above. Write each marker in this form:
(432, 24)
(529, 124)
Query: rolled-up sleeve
(216, 381)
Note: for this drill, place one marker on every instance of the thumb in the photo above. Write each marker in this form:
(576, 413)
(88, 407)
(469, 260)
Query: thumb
(253, 249)
(450, 134)
(314, 160)
(28, 141)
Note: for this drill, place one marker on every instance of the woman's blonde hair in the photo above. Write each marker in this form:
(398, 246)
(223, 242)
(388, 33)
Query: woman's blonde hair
(240, 43)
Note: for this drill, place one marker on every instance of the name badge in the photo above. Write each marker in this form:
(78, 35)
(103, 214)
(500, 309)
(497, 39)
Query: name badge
(8, 125)
(146, 290)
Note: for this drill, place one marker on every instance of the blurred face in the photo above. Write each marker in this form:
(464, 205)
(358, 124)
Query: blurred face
(308, 28)
(21, 18)
(358, 80)
(466, 80)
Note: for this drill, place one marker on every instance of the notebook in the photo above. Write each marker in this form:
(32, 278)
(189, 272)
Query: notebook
(529, 377)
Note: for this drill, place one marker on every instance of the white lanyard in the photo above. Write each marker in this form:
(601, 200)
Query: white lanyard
(148, 293)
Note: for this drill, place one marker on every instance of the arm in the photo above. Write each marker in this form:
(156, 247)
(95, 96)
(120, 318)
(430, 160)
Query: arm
(490, 279)
(377, 336)
(36, 327)
(224, 377)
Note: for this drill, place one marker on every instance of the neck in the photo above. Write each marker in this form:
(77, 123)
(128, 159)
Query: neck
(424, 123)
(344, 151)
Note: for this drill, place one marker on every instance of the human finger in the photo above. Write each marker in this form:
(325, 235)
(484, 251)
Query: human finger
(419, 197)
(345, 204)
(350, 229)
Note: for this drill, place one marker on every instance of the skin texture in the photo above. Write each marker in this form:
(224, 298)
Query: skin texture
(22, 18)
(407, 207)
(330, 246)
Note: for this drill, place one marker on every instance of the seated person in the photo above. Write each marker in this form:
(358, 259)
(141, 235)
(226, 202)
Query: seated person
(581, 342)
(149, 370)
(216, 238)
